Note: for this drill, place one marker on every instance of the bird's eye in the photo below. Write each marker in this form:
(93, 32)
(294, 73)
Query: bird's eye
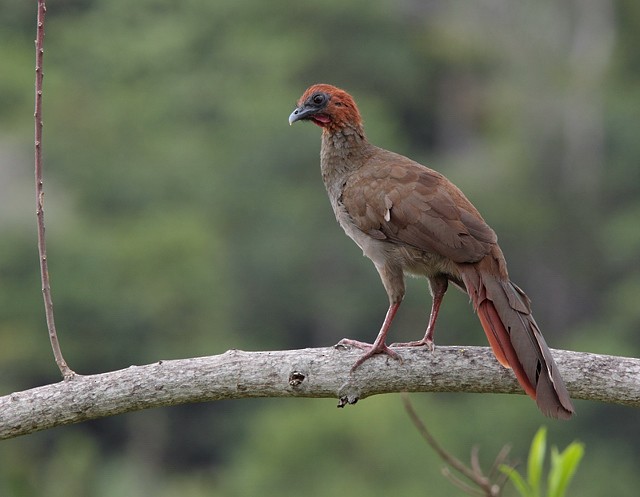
(318, 99)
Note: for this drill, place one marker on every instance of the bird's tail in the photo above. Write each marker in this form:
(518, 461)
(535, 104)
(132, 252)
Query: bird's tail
(505, 313)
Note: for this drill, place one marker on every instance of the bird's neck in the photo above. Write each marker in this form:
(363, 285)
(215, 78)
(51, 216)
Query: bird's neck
(343, 151)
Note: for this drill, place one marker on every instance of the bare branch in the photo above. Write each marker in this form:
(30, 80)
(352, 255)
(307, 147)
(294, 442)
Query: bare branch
(42, 246)
(320, 373)
(474, 474)
(494, 472)
(465, 487)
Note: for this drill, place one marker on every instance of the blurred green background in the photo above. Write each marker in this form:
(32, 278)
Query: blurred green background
(185, 217)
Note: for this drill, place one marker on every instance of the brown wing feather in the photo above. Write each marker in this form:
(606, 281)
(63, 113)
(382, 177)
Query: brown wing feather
(409, 203)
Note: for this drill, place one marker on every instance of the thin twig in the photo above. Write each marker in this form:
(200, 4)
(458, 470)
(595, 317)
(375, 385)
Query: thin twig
(500, 459)
(475, 475)
(42, 247)
(475, 460)
(465, 487)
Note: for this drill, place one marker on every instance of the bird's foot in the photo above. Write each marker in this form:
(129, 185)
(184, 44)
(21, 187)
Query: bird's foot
(370, 350)
(416, 343)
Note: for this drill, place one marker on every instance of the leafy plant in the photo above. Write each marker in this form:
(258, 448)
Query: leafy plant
(563, 467)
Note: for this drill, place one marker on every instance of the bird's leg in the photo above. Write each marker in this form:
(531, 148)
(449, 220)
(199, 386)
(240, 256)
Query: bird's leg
(438, 286)
(379, 346)
(393, 280)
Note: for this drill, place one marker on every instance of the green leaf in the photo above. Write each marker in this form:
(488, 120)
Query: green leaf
(518, 481)
(536, 460)
(563, 468)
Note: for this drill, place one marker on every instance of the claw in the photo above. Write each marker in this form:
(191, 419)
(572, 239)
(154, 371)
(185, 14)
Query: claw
(370, 350)
(416, 343)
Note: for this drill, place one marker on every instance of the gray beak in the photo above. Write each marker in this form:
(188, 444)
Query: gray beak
(301, 113)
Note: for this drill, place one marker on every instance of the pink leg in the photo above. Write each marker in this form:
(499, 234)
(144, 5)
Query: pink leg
(438, 287)
(379, 346)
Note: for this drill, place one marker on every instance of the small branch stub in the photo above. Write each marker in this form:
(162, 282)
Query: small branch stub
(296, 378)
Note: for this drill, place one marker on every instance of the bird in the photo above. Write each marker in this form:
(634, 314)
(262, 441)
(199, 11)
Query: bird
(409, 219)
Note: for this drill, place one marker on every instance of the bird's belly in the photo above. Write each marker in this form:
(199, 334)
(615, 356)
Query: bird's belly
(412, 261)
(416, 262)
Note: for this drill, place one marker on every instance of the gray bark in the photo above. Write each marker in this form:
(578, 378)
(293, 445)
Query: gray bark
(321, 372)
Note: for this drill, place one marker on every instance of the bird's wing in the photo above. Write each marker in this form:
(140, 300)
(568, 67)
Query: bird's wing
(394, 198)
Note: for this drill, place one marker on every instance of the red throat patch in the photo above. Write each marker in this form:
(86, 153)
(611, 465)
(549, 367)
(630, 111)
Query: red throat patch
(320, 119)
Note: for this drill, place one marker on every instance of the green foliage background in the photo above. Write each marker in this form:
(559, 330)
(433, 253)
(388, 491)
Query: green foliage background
(185, 217)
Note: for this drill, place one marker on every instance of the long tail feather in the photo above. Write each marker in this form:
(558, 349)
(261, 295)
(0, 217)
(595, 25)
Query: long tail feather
(505, 313)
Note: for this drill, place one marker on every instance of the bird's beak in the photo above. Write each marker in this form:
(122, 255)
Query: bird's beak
(301, 113)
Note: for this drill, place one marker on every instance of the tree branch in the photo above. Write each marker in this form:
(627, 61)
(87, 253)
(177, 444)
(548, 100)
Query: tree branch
(321, 373)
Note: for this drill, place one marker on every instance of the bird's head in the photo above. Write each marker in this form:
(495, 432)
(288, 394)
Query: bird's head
(327, 106)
